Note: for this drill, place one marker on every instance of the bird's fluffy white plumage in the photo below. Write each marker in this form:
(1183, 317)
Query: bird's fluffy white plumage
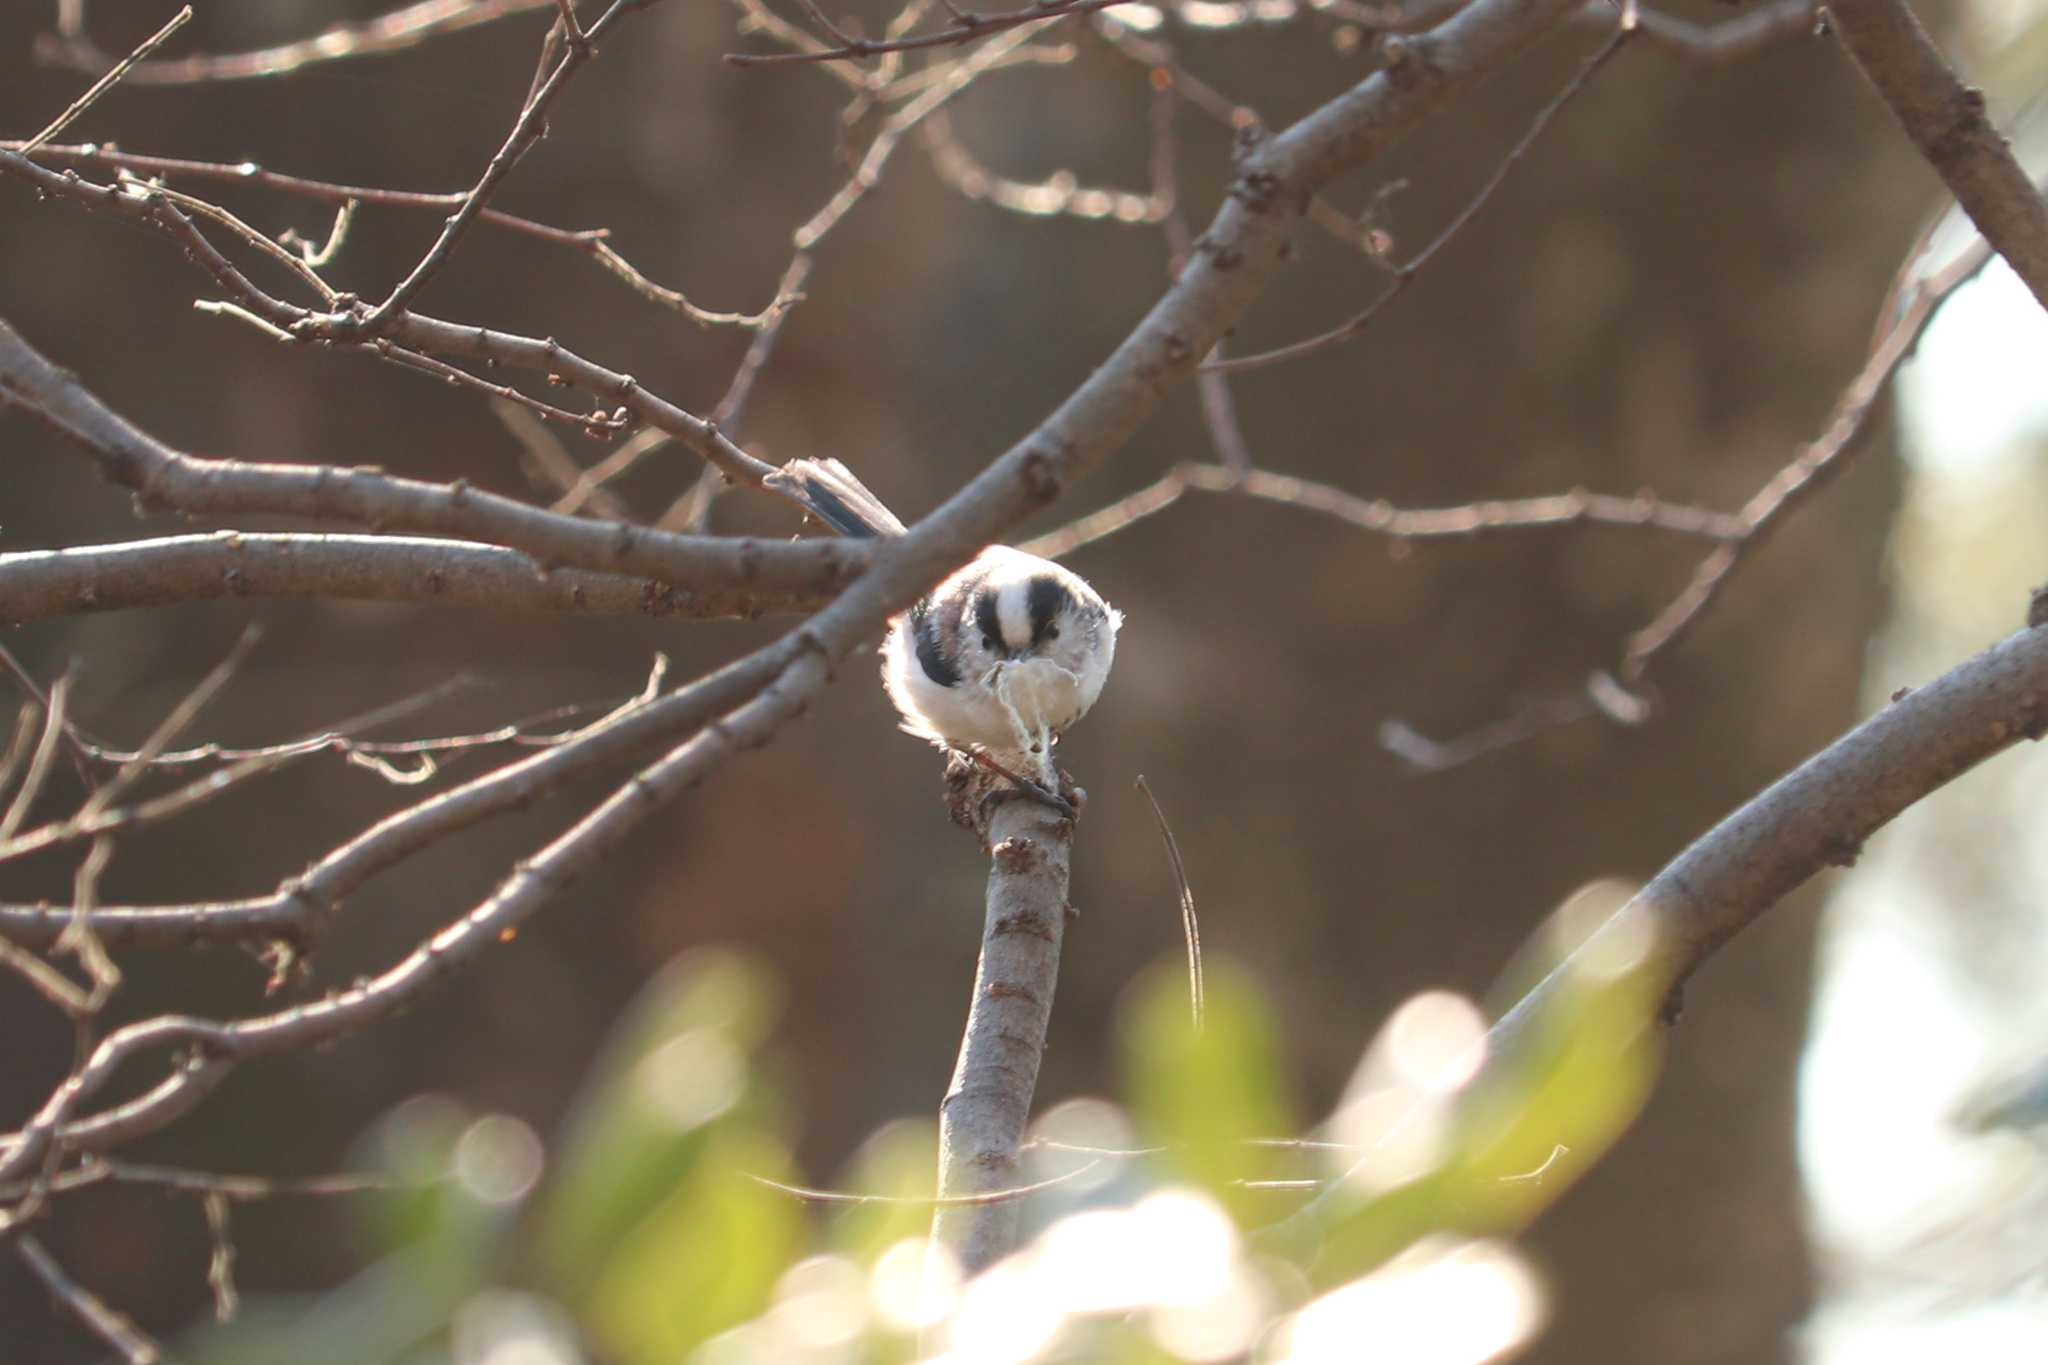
(1013, 692)
(1005, 654)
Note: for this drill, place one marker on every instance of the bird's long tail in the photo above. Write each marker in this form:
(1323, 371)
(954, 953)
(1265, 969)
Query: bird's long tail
(834, 496)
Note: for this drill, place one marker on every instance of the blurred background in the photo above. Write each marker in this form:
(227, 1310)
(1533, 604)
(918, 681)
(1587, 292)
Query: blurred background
(1669, 294)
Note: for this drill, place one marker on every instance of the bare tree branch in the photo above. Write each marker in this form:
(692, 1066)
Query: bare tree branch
(400, 29)
(1826, 456)
(289, 322)
(367, 496)
(39, 765)
(1822, 813)
(526, 130)
(1815, 817)
(295, 911)
(1058, 195)
(966, 29)
(1720, 43)
(1276, 180)
(988, 1104)
(106, 1323)
(1405, 274)
(1948, 123)
(1376, 515)
(109, 80)
(218, 1046)
(592, 242)
(40, 584)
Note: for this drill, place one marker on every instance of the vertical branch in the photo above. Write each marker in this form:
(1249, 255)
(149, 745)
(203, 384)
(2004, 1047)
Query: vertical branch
(981, 1123)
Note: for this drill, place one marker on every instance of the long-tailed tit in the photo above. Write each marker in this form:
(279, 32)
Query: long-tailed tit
(1003, 656)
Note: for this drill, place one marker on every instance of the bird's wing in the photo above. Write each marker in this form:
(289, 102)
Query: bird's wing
(834, 496)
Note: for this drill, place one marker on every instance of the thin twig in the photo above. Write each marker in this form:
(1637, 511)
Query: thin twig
(966, 31)
(958, 1201)
(1601, 695)
(1405, 275)
(869, 172)
(1808, 471)
(393, 32)
(171, 726)
(1058, 195)
(220, 1260)
(550, 462)
(1212, 390)
(102, 1320)
(1816, 817)
(336, 737)
(1191, 931)
(325, 252)
(21, 742)
(570, 24)
(525, 132)
(297, 262)
(79, 938)
(413, 330)
(361, 495)
(1621, 695)
(594, 423)
(776, 682)
(39, 765)
(592, 242)
(691, 512)
(109, 80)
(1376, 515)
(59, 990)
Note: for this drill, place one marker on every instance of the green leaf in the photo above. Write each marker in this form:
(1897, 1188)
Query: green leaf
(654, 1225)
(1516, 1138)
(704, 1258)
(678, 1065)
(1206, 1095)
(899, 1163)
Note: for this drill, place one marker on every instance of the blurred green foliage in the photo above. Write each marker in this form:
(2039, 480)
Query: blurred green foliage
(665, 1229)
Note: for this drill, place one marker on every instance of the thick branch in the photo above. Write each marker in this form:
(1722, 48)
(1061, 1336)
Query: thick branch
(364, 495)
(1250, 237)
(1233, 260)
(982, 1122)
(1820, 814)
(1947, 122)
(1815, 817)
(530, 884)
(36, 584)
(300, 905)
(392, 32)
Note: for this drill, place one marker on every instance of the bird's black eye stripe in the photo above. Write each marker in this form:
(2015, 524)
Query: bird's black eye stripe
(924, 629)
(986, 618)
(1048, 597)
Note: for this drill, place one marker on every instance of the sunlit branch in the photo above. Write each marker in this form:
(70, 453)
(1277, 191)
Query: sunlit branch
(592, 242)
(1576, 508)
(367, 497)
(400, 29)
(1405, 274)
(104, 1321)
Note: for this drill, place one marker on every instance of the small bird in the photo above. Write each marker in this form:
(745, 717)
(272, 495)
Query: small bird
(1002, 657)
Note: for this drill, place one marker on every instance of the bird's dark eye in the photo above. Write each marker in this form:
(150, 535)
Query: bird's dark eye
(1052, 632)
(988, 642)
